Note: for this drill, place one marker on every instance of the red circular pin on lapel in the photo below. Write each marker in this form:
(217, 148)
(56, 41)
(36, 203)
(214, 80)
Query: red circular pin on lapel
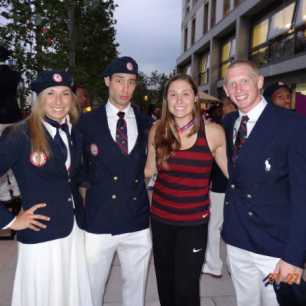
(38, 159)
(57, 78)
(129, 66)
(94, 149)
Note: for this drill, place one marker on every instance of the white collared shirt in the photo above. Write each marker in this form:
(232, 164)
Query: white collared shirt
(52, 131)
(253, 115)
(112, 118)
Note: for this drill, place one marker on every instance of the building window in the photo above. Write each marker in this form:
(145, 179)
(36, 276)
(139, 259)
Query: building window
(228, 51)
(236, 2)
(187, 70)
(204, 68)
(277, 37)
(193, 29)
(194, 2)
(205, 17)
(185, 39)
(260, 33)
(213, 13)
(226, 7)
(301, 13)
(187, 7)
(281, 21)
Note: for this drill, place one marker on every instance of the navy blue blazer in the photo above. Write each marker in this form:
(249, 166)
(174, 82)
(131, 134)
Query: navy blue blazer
(265, 202)
(46, 182)
(116, 200)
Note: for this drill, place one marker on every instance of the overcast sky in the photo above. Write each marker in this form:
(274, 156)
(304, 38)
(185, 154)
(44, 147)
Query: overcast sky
(149, 31)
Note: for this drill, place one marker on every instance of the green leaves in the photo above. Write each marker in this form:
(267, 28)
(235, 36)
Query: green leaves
(78, 35)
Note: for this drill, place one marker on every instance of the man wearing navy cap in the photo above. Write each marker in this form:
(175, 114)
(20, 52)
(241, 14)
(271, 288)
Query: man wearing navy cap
(117, 206)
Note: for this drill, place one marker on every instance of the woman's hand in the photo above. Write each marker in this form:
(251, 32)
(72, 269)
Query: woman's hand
(28, 219)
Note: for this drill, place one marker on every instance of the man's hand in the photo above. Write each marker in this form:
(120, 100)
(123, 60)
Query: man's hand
(27, 219)
(287, 273)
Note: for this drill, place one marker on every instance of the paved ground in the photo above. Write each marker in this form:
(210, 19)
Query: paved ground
(214, 292)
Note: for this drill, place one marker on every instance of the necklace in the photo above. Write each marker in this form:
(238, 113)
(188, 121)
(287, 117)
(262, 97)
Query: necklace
(185, 127)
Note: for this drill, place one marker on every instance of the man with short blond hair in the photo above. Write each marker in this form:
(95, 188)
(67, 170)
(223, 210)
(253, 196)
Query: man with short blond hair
(265, 203)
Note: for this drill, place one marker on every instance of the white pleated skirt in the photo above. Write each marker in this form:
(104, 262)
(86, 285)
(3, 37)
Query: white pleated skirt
(53, 273)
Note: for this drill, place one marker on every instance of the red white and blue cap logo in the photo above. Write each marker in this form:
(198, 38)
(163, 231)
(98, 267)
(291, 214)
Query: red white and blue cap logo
(129, 66)
(57, 78)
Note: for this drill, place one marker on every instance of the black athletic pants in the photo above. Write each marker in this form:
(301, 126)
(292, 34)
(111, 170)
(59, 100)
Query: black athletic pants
(179, 253)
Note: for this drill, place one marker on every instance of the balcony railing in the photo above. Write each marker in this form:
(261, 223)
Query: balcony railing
(281, 48)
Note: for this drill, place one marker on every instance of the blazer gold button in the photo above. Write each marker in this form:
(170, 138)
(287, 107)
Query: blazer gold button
(114, 197)
(115, 178)
(250, 213)
(136, 181)
(249, 196)
(233, 186)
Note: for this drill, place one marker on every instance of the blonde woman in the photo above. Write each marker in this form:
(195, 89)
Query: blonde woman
(44, 153)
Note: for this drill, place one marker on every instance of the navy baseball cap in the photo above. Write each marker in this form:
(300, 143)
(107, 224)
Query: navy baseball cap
(4, 53)
(272, 88)
(50, 78)
(123, 64)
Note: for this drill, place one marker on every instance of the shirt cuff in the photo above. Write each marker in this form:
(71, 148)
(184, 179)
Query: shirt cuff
(8, 225)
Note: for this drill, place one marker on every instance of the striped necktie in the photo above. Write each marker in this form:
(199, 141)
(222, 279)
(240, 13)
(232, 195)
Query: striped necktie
(240, 138)
(121, 133)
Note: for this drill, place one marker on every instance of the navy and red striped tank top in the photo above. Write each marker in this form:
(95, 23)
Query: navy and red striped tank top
(181, 192)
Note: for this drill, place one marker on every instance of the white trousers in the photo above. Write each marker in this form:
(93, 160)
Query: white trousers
(213, 262)
(248, 269)
(133, 249)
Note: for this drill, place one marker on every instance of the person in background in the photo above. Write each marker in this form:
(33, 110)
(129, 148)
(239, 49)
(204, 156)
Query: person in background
(9, 81)
(9, 115)
(213, 263)
(117, 205)
(44, 153)
(181, 150)
(83, 98)
(264, 210)
(279, 94)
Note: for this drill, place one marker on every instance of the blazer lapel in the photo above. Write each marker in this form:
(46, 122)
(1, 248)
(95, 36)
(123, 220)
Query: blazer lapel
(229, 130)
(261, 135)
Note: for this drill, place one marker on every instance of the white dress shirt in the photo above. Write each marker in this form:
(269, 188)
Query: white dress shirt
(112, 118)
(253, 115)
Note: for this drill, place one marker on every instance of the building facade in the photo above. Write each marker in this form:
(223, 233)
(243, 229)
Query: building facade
(272, 33)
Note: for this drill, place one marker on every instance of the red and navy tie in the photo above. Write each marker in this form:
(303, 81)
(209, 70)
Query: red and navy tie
(121, 133)
(240, 138)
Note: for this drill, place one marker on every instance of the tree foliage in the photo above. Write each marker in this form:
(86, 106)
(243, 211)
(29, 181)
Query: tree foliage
(77, 35)
(150, 89)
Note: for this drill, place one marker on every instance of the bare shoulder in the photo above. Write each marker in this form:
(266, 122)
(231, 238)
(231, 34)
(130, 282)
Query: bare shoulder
(213, 129)
(153, 129)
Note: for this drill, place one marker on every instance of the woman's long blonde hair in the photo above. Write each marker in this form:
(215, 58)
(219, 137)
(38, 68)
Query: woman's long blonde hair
(38, 137)
(166, 138)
